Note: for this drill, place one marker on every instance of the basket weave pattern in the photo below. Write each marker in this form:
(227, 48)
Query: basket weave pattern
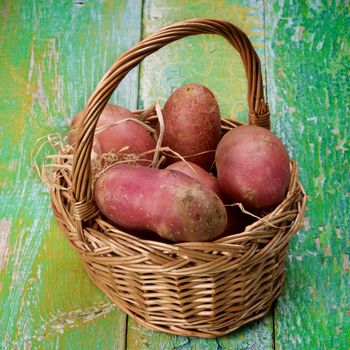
(194, 289)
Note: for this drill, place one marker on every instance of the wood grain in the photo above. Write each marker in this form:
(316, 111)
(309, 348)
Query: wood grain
(204, 59)
(53, 55)
(308, 76)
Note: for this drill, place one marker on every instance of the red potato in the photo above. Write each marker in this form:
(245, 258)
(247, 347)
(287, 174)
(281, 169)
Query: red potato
(170, 203)
(253, 167)
(198, 173)
(125, 138)
(192, 125)
(237, 221)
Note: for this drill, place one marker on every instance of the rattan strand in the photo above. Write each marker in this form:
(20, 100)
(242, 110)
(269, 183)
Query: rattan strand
(191, 289)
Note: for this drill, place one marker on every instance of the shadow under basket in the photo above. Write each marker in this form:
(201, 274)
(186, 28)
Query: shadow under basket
(191, 289)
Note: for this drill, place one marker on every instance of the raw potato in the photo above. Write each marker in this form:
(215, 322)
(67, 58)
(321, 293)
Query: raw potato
(253, 167)
(198, 173)
(170, 203)
(126, 138)
(236, 220)
(192, 125)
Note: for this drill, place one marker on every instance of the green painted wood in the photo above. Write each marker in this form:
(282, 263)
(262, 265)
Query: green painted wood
(53, 53)
(52, 56)
(209, 60)
(308, 73)
(257, 335)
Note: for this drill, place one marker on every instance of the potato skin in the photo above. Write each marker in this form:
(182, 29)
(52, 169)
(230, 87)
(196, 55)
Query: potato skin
(192, 124)
(253, 167)
(125, 138)
(198, 173)
(236, 220)
(170, 203)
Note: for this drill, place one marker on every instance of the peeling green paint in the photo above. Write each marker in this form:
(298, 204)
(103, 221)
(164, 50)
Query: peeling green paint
(308, 74)
(52, 56)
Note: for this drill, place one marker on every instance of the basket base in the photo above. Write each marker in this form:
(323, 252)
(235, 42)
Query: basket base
(188, 330)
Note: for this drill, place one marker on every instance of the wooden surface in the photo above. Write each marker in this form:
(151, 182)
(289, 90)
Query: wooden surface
(52, 56)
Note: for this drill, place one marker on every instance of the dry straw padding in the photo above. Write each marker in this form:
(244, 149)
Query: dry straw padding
(205, 289)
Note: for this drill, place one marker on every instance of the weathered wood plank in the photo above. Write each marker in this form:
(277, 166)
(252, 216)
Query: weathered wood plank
(257, 335)
(53, 55)
(209, 60)
(308, 75)
(213, 62)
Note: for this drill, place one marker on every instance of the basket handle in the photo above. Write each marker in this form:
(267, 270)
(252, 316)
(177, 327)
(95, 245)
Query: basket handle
(84, 206)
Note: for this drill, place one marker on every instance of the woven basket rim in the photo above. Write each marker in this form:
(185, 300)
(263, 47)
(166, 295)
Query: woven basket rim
(295, 193)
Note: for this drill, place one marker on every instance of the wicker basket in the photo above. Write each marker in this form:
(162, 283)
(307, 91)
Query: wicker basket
(191, 289)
